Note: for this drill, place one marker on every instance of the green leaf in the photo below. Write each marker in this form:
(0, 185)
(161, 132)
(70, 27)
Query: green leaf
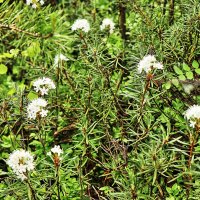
(174, 187)
(175, 82)
(197, 71)
(12, 91)
(32, 95)
(182, 77)
(7, 55)
(104, 188)
(189, 75)
(195, 64)
(33, 50)
(6, 142)
(22, 86)
(3, 69)
(9, 198)
(16, 69)
(36, 143)
(25, 53)
(170, 198)
(168, 85)
(186, 67)
(178, 70)
(169, 190)
(154, 176)
(53, 21)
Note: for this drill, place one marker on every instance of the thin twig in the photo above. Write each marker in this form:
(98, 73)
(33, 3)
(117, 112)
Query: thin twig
(171, 12)
(16, 29)
(32, 190)
(122, 12)
(58, 183)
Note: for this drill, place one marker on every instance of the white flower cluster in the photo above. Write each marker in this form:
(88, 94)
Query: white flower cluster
(59, 58)
(82, 24)
(34, 3)
(107, 23)
(193, 115)
(36, 108)
(56, 150)
(21, 162)
(148, 63)
(43, 85)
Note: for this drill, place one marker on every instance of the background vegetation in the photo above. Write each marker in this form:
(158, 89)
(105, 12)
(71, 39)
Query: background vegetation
(123, 134)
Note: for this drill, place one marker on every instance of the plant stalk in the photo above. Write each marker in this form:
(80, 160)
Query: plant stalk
(32, 190)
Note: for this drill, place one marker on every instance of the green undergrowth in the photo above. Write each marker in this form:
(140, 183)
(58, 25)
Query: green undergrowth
(123, 134)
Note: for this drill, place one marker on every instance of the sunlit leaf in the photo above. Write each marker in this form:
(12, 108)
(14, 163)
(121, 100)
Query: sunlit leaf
(186, 67)
(32, 95)
(189, 75)
(178, 70)
(195, 64)
(3, 69)
(197, 71)
(182, 77)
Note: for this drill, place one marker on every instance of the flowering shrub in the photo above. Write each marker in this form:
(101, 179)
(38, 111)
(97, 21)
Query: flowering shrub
(34, 3)
(78, 121)
(193, 115)
(36, 107)
(148, 63)
(82, 24)
(56, 151)
(107, 23)
(21, 162)
(43, 85)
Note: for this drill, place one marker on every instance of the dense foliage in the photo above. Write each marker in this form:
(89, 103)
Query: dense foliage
(123, 134)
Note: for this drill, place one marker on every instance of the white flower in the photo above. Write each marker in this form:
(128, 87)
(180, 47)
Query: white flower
(28, 2)
(43, 85)
(34, 3)
(58, 58)
(158, 65)
(193, 115)
(192, 124)
(34, 6)
(36, 107)
(148, 63)
(44, 91)
(43, 113)
(56, 150)
(41, 2)
(107, 23)
(21, 162)
(82, 24)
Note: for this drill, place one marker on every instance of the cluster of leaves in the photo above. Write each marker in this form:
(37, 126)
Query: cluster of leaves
(124, 135)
